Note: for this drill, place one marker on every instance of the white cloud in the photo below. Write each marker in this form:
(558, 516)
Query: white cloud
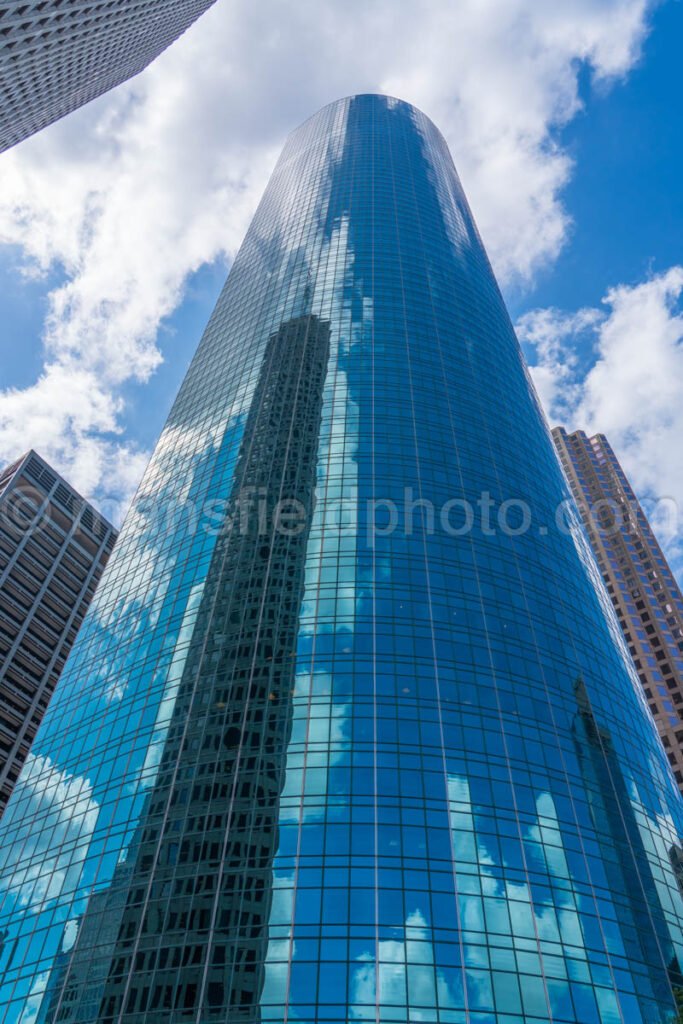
(630, 390)
(72, 417)
(131, 194)
(553, 335)
(402, 980)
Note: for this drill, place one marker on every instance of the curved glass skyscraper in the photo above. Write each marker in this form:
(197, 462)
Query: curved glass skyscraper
(350, 732)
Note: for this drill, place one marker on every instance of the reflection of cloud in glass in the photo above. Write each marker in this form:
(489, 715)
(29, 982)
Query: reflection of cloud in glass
(167, 519)
(35, 997)
(407, 987)
(280, 948)
(228, 688)
(173, 678)
(163, 507)
(321, 728)
(45, 859)
(334, 528)
(320, 725)
(508, 909)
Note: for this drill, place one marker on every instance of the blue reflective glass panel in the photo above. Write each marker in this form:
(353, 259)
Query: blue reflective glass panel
(350, 732)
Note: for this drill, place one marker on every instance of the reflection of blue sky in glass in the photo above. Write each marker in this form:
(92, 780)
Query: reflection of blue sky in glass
(476, 818)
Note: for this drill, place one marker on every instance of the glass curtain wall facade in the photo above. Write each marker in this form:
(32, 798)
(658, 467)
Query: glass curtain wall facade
(350, 731)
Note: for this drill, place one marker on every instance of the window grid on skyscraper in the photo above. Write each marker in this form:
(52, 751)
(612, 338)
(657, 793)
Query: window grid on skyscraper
(358, 773)
(56, 55)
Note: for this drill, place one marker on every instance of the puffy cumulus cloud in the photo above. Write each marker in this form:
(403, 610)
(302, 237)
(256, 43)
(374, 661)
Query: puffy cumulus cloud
(72, 417)
(627, 384)
(130, 195)
(553, 335)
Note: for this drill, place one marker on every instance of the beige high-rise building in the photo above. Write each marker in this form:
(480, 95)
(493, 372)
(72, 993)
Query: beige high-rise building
(53, 549)
(642, 587)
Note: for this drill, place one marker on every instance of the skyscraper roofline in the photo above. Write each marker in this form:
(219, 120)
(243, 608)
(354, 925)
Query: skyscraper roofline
(367, 95)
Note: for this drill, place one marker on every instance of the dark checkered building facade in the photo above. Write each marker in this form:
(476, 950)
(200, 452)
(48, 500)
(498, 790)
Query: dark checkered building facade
(53, 548)
(56, 55)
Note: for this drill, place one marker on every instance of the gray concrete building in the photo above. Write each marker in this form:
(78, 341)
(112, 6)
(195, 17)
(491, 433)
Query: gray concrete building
(642, 587)
(53, 548)
(56, 55)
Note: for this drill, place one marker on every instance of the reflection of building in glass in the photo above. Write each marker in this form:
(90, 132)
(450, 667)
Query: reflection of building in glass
(642, 587)
(344, 765)
(627, 866)
(75, 986)
(57, 55)
(193, 923)
(53, 548)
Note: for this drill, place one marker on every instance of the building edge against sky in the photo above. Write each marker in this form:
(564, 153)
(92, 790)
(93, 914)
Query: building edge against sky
(57, 55)
(394, 764)
(641, 585)
(53, 548)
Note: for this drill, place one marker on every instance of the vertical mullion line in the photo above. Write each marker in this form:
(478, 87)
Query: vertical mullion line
(373, 484)
(425, 551)
(444, 759)
(345, 267)
(295, 879)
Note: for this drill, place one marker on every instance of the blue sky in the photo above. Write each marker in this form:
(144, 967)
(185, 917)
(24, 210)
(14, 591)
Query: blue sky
(119, 223)
(626, 193)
